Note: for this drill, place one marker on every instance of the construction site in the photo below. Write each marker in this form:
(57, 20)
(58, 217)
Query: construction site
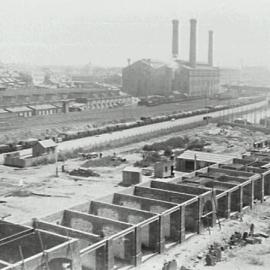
(123, 228)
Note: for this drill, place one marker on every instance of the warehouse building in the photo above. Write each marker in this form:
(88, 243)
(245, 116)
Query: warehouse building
(21, 111)
(37, 96)
(45, 109)
(193, 78)
(147, 77)
(41, 102)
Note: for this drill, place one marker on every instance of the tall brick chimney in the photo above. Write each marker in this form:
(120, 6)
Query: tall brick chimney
(210, 48)
(192, 45)
(175, 38)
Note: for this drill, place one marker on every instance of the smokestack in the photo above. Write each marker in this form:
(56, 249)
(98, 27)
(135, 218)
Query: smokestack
(192, 48)
(175, 24)
(210, 48)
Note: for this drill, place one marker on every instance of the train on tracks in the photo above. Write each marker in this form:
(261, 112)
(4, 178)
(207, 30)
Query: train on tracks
(71, 135)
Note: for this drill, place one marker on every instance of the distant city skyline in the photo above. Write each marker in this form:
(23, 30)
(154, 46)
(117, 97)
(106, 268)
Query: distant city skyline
(106, 32)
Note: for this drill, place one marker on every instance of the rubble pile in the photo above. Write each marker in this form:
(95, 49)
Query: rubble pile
(83, 173)
(237, 239)
(171, 265)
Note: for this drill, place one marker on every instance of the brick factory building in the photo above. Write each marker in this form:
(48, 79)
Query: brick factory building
(148, 77)
(193, 78)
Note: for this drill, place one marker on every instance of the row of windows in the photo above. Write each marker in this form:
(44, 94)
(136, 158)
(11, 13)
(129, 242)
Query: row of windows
(39, 112)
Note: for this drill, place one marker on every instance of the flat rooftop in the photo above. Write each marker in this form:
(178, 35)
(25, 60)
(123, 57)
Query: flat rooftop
(205, 156)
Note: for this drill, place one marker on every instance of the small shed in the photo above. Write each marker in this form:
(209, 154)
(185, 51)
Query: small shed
(46, 147)
(164, 168)
(131, 176)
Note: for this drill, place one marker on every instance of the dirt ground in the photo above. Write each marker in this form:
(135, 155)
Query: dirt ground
(39, 126)
(191, 253)
(53, 193)
(37, 192)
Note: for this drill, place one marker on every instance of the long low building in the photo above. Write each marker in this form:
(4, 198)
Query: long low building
(38, 109)
(125, 228)
(26, 102)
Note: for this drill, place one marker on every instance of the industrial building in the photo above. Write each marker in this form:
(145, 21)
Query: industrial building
(45, 109)
(229, 76)
(21, 111)
(193, 78)
(125, 228)
(37, 102)
(148, 77)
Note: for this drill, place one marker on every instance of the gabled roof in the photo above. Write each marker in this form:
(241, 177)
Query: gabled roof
(19, 109)
(3, 111)
(154, 64)
(47, 143)
(42, 107)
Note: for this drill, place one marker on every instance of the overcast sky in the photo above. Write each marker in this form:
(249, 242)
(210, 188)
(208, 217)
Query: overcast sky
(107, 32)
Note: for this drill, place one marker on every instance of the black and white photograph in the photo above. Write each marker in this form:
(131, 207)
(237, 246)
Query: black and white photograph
(134, 134)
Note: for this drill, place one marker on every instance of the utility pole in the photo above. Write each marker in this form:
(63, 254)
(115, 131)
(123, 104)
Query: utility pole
(195, 162)
(56, 162)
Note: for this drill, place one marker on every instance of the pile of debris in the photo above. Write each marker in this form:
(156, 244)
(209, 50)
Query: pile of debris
(171, 265)
(106, 161)
(83, 173)
(214, 253)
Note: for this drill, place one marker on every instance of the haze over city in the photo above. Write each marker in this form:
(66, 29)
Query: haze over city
(134, 134)
(65, 32)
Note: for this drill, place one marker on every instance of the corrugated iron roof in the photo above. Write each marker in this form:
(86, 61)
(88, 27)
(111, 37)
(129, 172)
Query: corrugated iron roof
(205, 156)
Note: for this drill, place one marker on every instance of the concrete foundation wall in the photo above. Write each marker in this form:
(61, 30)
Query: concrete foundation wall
(158, 194)
(85, 239)
(10, 231)
(119, 212)
(178, 188)
(92, 224)
(146, 204)
(121, 228)
(38, 249)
